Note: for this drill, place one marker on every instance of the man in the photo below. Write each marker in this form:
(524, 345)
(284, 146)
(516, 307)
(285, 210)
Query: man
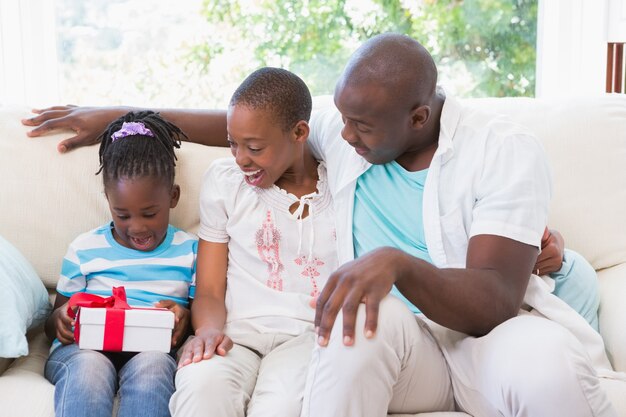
(447, 207)
(464, 260)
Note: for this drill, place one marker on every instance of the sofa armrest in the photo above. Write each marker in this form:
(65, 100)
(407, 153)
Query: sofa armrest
(612, 313)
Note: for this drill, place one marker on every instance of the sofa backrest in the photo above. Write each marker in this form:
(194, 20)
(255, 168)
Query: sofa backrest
(47, 199)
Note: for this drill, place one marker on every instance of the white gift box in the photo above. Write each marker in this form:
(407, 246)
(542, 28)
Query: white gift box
(145, 329)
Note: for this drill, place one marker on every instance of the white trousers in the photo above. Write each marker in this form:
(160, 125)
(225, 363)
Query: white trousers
(263, 375)
(526, 367)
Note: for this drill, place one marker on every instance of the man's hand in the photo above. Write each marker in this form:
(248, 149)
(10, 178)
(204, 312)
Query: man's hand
(87, 122)
(206, 343)
(550, 259)
(182, 317)
(368, 280)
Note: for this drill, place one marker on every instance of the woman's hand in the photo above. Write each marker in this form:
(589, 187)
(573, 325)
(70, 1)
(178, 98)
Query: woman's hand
(206, 343)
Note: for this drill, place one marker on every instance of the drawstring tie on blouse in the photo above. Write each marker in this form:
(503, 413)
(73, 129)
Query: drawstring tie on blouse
(305, 200)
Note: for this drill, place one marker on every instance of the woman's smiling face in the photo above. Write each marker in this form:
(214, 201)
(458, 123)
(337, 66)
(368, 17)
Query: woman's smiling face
(262, 149)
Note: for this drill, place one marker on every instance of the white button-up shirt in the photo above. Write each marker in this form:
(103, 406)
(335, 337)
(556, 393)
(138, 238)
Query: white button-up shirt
(488, 176)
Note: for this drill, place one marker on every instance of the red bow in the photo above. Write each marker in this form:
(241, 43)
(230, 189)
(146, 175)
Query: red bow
(116, 306)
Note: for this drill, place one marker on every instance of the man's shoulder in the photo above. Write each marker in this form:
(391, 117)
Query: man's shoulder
(489, 131)
(325, 138)
(483, 141)
(486, 121)
(326, 122)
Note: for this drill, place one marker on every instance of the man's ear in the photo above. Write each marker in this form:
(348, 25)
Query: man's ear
(175, 196)
(301, 131)
(420, 116)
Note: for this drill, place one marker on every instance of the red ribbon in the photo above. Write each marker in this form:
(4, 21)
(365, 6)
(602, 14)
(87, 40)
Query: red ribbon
(116, 306)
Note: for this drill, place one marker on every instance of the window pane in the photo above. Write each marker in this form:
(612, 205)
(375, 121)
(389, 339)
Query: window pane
(195, 53)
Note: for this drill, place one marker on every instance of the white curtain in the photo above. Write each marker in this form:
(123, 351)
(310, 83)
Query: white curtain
(28, 60)
(571, 47)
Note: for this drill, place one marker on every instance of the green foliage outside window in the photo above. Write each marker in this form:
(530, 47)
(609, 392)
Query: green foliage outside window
(483, 47)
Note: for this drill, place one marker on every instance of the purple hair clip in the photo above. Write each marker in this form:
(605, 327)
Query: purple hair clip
(131, 129)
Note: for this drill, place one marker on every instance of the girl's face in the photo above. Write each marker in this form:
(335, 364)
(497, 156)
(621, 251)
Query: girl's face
(141, 211)
(262, 149)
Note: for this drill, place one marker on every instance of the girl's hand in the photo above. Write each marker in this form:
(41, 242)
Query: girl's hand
(63, 325)
(182, 317)
(206, 343)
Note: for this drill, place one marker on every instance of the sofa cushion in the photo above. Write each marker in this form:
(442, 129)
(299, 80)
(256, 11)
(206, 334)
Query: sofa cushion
(612, 313)
(24, 304)
(24, 392)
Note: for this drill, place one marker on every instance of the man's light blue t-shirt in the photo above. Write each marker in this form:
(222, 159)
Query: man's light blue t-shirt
(388, 212)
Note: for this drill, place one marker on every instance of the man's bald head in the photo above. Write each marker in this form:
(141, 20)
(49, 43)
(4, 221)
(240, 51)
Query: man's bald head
(399, 64)
(388, 100)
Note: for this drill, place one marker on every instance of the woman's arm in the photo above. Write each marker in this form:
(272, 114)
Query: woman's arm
(207, 127)
(208, 311)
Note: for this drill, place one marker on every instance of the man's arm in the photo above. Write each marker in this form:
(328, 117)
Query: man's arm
(472, 300)
(207, 127)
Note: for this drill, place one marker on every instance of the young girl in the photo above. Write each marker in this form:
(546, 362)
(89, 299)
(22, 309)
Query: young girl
(139, 250)
(267, 245)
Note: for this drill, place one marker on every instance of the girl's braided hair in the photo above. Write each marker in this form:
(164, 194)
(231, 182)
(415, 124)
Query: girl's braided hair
(130, 151)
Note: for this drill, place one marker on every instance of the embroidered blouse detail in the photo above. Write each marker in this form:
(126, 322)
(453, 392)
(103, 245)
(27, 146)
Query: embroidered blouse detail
(310, 269)
(268, 245)
(268, 236)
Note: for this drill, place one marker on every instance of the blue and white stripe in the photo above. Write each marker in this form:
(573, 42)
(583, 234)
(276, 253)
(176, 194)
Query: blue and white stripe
(95, 263)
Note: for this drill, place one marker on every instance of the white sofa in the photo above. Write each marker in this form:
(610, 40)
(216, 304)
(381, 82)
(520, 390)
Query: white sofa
(46, 199)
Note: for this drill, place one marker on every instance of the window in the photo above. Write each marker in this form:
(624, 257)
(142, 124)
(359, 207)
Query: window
(194, 53)
(136, 52)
